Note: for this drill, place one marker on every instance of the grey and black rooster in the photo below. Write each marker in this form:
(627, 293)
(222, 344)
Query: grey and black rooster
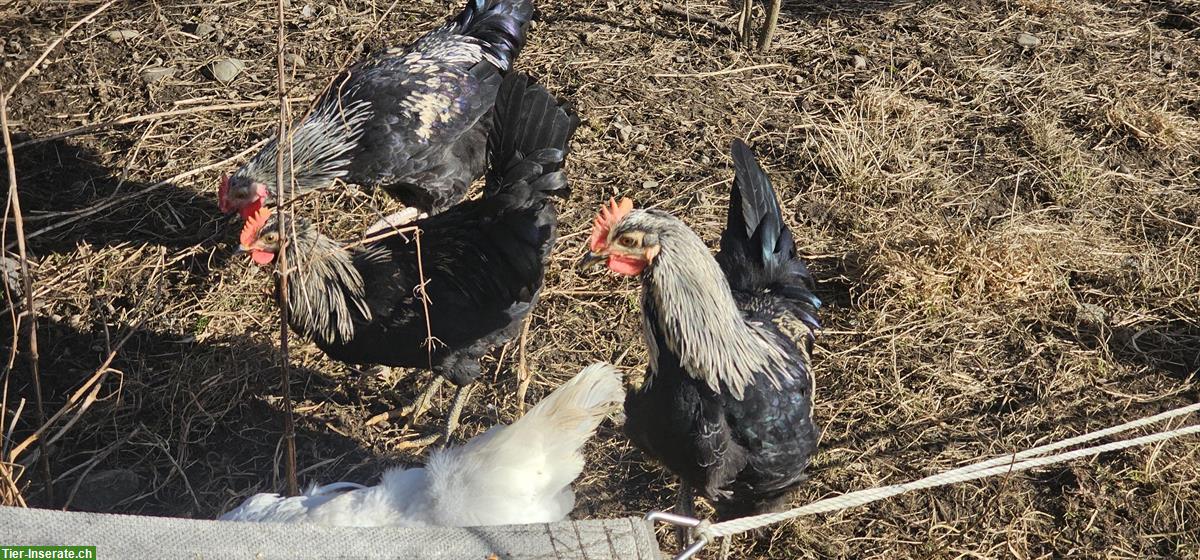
(483, 259)
(413, 121)
(727, 400)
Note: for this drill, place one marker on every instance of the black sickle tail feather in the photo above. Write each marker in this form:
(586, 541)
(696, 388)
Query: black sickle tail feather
(757, 249)
(500, 24)
(529, 141)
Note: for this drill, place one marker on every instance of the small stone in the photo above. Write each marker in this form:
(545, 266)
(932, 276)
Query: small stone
(649, 184)
(622, 133)
(307, 11)
(203, 30)
(12, 271)
(225, 70)
(156, 73)
(860, 62)
(294, 59)
(641, 148)
(1091, 314)
(680, 59)
(1027, 40)
(122, 35)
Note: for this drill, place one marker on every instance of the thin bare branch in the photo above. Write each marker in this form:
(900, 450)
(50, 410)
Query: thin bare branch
(285, 139)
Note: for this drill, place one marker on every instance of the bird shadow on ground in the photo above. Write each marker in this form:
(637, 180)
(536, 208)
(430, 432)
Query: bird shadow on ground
(69, 197)
(215, 397)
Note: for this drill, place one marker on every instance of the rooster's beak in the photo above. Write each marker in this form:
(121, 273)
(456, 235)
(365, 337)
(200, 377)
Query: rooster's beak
(590, 259)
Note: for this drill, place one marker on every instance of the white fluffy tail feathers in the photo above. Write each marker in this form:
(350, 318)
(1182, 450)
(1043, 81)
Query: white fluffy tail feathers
(579, 405)
(525, 470)
(521, 473)
(564, 420)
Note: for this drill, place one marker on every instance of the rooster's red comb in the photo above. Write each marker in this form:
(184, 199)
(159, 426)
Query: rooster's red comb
(606, 219)
(253, 224)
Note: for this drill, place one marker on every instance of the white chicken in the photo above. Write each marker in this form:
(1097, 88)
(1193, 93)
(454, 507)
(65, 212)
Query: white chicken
(514, 474)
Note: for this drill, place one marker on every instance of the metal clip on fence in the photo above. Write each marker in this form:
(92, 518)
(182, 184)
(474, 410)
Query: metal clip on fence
(683, 521)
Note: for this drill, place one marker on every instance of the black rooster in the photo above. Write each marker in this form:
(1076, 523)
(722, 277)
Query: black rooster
(727, 400)
(483, 259)
(412, 121)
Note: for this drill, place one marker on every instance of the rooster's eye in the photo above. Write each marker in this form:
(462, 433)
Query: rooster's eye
(627, 241)
(271, 237)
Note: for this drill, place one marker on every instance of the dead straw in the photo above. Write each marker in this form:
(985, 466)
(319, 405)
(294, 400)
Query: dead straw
(19, 225)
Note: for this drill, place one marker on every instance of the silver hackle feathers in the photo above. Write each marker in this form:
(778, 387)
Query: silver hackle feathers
(696, 312)
(325, 291)
(321, 147)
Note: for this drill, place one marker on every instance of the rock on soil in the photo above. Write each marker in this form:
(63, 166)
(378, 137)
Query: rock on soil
(225, 70)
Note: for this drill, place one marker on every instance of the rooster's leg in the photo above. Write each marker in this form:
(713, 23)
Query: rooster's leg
(460, 400)
(412, 412)
(687, 508)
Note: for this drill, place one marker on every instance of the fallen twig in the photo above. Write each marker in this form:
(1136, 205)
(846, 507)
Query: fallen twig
(719, 72)
(85, 129)
(670, 10)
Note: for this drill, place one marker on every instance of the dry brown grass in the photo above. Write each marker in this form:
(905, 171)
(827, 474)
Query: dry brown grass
(1006, 241)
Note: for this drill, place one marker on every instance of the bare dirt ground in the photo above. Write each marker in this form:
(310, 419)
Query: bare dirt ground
(1005, 237)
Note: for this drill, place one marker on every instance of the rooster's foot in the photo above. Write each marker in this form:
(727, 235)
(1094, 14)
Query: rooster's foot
(412, 412)
(687, 508)
(419, 443)
(460, 400)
